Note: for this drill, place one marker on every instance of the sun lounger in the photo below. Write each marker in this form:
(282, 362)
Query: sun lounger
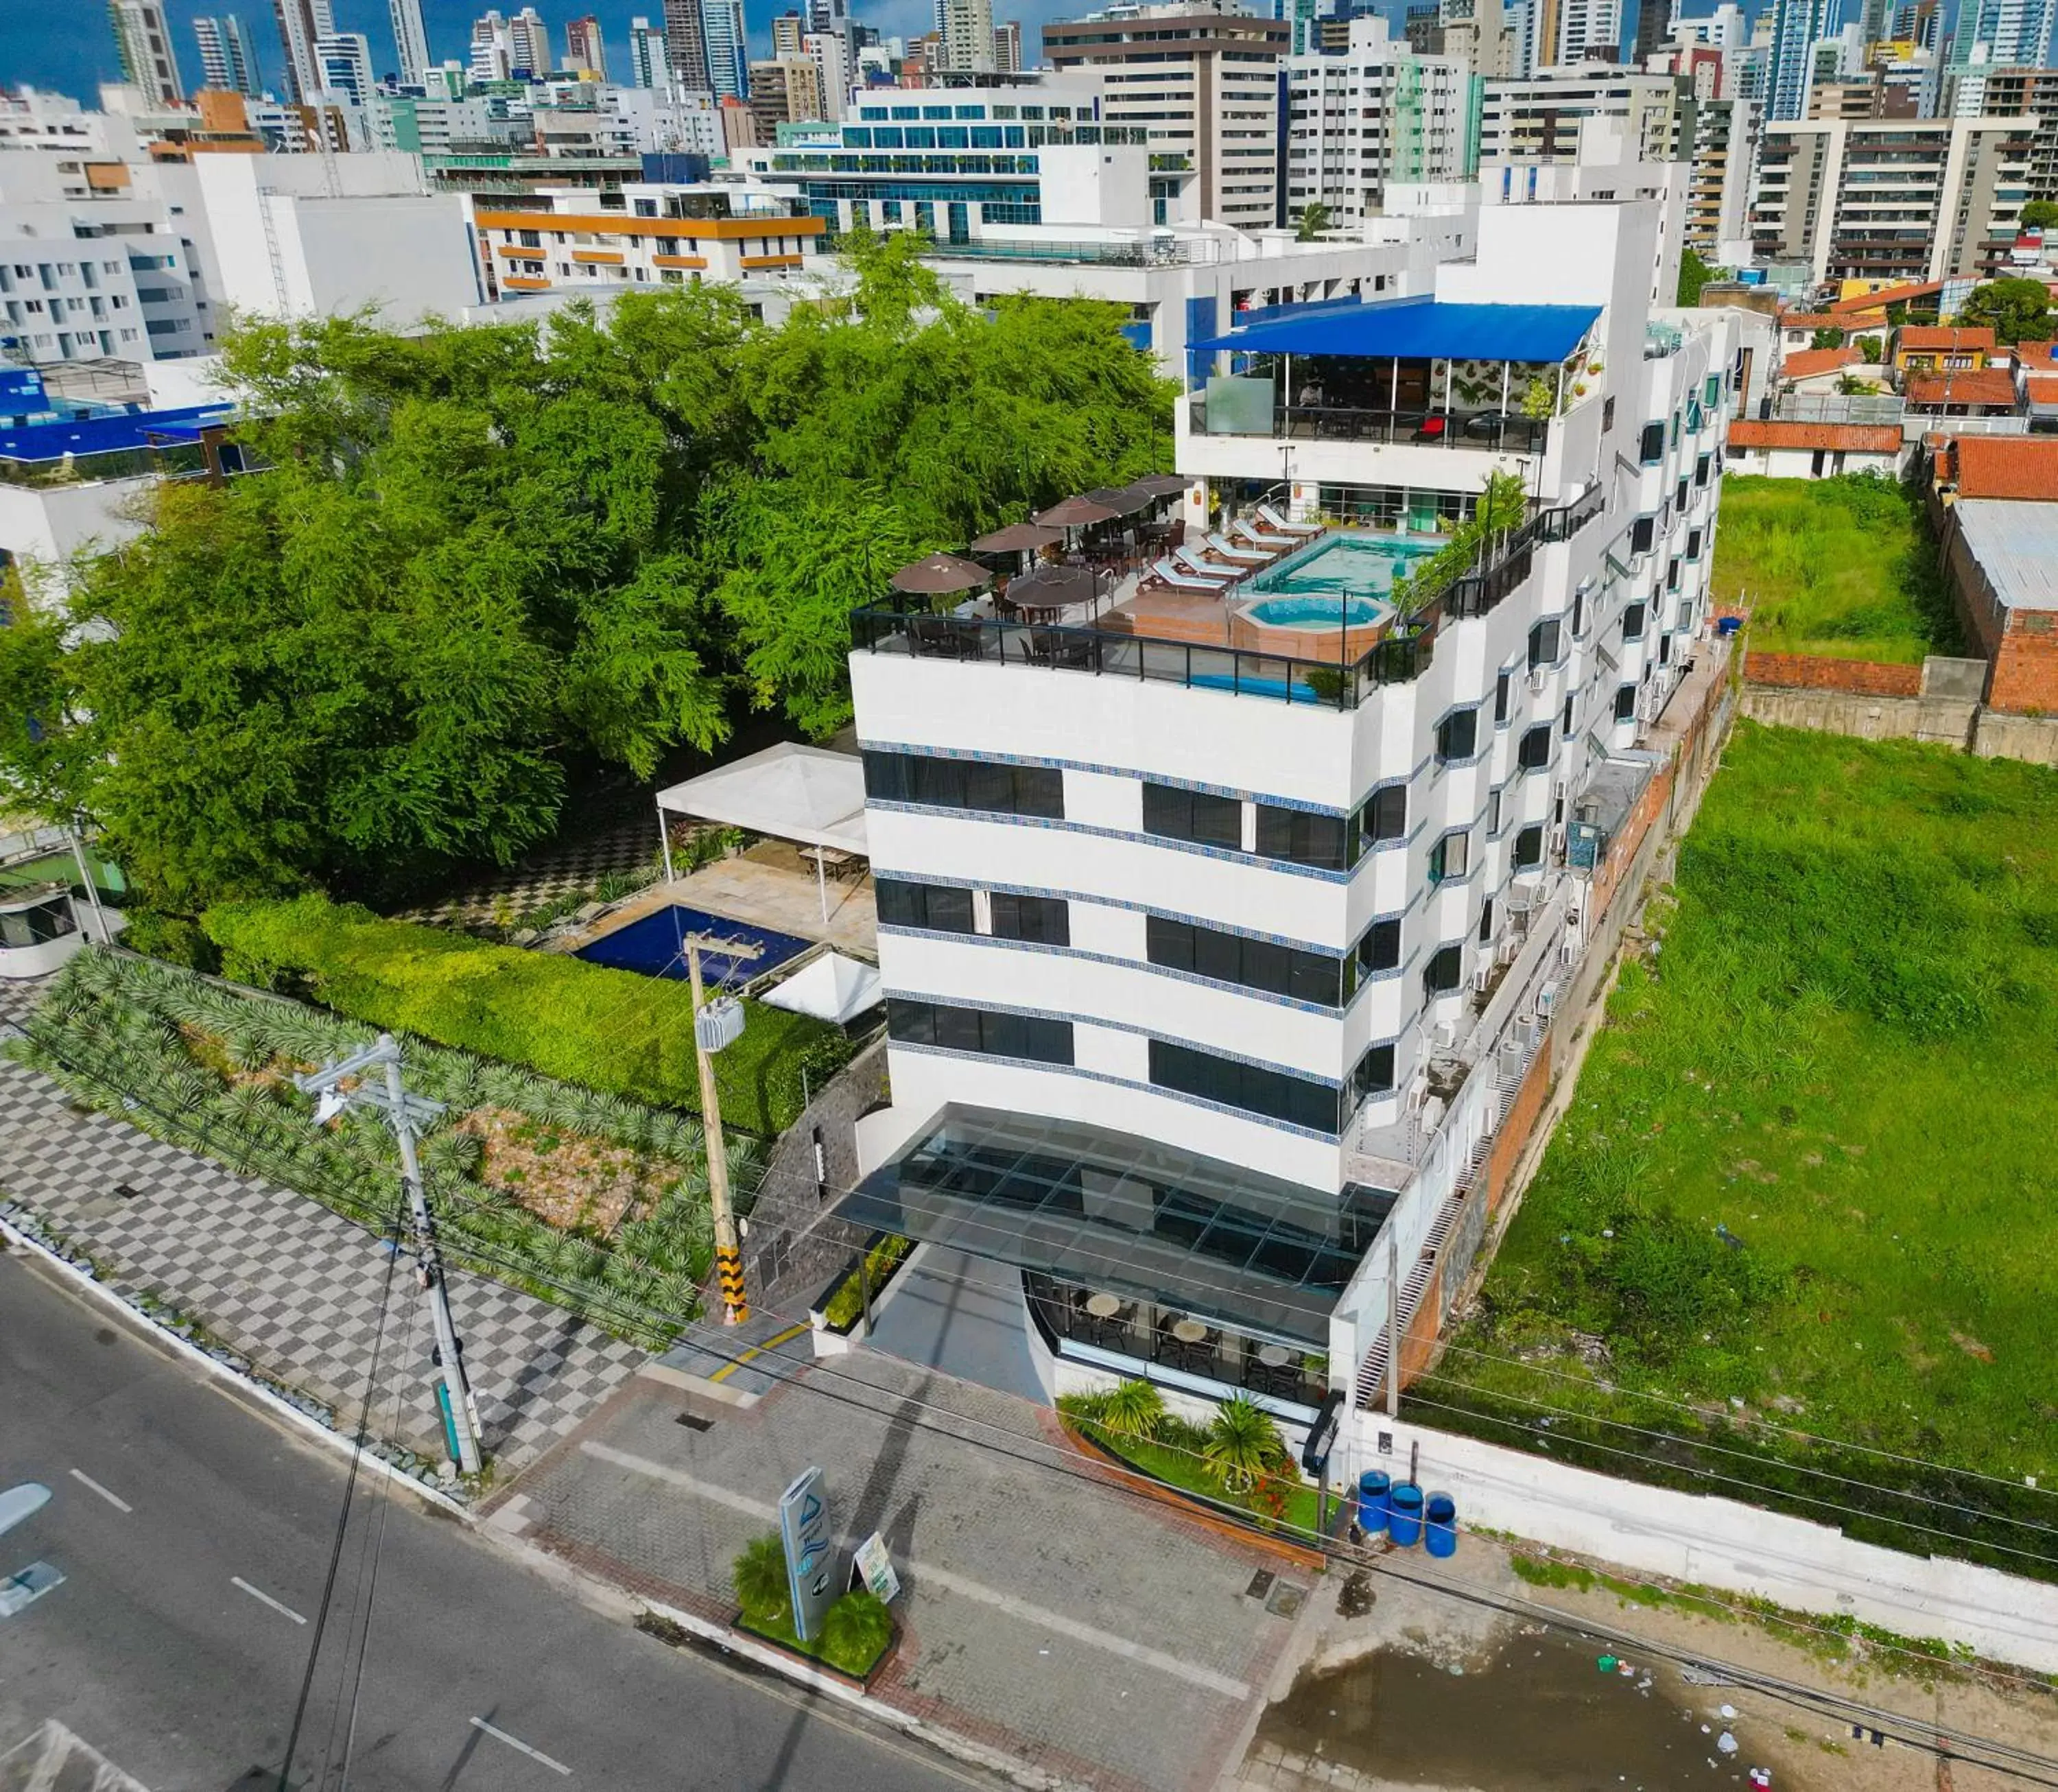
(1258, 537)
(1169, 572)
(1237, 556)
(1272, 520)
(1199, 568)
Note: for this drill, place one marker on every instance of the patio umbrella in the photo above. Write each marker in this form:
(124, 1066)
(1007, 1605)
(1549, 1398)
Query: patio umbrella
(1053, 588)
(1123, 500)
(1161, 485)
(1075, 513)
(941, 573)
(1017, 538)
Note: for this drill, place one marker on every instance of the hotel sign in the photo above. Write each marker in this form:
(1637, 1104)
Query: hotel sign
(804, 1528)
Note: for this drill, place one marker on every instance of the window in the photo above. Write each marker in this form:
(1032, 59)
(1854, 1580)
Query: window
(1570, 703)
(1327, 841)
(1529, 848)
(1679, 494)
(1450, 857)
(1274, 1094)
(35, 926)
(1372, 1075)
(1458, 735)
(1193, 815)
(1486, 922)
(1544, 638)
(1650, 449)
(939, 907)
(1625, 702)
(1642, 532)
(980, 1030)
(1579, 610)
(1632, 621)
(1046, 920)
(1385, 814)
(975, 783)
(1693, 544)
(1230, 958)
(1701, 470)
(1440, 975)
(1379, 948)
(1500, 687)
(1672, 574)
(1534, 752)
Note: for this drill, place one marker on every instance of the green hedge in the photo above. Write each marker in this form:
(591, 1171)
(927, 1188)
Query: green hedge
(609, 1030)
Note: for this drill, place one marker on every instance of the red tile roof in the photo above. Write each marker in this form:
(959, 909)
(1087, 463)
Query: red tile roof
(1946, 336)
(2043, 356)
(1870, 439)
(1889, 295)
(1832, 319)
(1986, 385)
(1804, 364)
(2018, 466)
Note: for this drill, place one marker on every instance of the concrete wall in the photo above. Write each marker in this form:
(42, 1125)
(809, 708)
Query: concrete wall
(2035, 738)
(1713, 1543)
(1942, 721)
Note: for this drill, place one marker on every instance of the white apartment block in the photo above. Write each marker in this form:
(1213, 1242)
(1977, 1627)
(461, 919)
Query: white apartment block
(1375, 114)
(148, 63)
(1201, 79)
(1606, 170)
(1891, 199)
(965, 28)
(1539, 119)
(1725, 152)
(1216, 935)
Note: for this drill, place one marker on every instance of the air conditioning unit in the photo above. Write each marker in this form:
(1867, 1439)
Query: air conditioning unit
(1480, 978)
(1558, 841)
(1539, 676)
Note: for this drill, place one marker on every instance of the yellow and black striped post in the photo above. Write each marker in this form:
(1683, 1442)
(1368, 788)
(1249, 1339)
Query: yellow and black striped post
(728, 1252)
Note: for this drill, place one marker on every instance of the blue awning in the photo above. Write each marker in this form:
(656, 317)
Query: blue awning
(1419, 329)
(121, 430)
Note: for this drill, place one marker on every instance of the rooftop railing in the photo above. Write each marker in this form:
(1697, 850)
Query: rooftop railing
(1492, 432)
(1164, 251)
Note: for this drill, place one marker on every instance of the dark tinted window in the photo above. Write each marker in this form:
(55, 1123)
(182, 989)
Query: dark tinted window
(1457, 734)
(1252, 963)
(1529, 848)
(1486, 922)
(1501, 696)
(1303, 838)
(974, 784)
(1632, 621)
(980, 1030)
(1298, 1100)
(1386, 813)
(1625, 702)
(1446, 965)
(1534, 752)
(1373, 1075)
(1543, 642)
(1642, 533)
(1194, 815)
(1380, 948)
(1046, 919)
(1650, 447)
(934, 906)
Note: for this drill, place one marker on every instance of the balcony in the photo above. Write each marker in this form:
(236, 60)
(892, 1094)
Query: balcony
(1490, 430)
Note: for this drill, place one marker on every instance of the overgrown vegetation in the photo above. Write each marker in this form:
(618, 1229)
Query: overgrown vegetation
(482, 563)
(615, 1030)
(1845, 567)
(1804, 1191)
(1237, 1460)
(211, 1069)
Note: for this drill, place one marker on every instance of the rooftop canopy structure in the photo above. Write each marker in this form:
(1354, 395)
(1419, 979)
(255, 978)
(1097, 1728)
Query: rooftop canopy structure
(1417, 370)
(793, 792)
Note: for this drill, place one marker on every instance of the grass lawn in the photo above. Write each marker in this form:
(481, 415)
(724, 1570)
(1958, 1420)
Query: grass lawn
(1177, 1461)
(1844, 567)
(1807, 1178)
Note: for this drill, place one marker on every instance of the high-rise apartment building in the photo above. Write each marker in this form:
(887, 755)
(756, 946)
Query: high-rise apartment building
(301, 24)
(1798, 27)
(1718, 190)
(830, 52)
(789, 31)
(1586, 29)
(148, 63)
(727, 49)
(410, 41)
(1891, 199)
(529, 43)
(965, 29)
(1377, 113)
(1203, 76)
(686, 46)
(344, 59)
(649, 65)
(2016, 93)
(784, 90)
(584, 47)
(228, 55)
(1539, 120)
(1007, 46)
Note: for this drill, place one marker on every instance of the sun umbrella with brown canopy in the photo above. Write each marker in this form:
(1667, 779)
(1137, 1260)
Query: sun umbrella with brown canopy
(1050, 589)
(1161, 485)
(939, 574)
(1075, 513)
(1123, 500)
(1017, 538)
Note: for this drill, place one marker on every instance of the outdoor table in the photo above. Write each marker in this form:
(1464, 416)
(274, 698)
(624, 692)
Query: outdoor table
(1189, 1331)
(1274, 1355)
(1103, 1306)
(1488, 422)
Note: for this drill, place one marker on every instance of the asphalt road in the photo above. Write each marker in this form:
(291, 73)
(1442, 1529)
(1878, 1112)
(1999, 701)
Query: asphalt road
(194, 1536)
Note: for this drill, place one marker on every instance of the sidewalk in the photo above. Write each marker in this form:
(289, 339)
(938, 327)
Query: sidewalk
(286, 1284)
(1105, 1640)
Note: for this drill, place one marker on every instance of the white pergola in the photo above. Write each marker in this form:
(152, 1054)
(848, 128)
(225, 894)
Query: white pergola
(807, 794)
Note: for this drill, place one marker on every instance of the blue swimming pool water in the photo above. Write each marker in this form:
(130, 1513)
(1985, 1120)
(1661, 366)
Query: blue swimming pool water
(1318, 612)
(655, 946)
(1360, 568)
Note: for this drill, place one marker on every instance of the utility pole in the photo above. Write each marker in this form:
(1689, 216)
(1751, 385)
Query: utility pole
(86, 874)
(401, 1110)
(717, 1024)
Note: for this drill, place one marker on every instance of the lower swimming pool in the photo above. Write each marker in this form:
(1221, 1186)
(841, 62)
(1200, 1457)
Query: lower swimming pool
(656, 945)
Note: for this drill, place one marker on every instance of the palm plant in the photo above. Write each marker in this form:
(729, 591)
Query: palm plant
(1242, 1442)
(1135, 1409)
(758, 1577)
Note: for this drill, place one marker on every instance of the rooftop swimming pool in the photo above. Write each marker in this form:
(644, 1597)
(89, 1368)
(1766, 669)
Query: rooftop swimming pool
(1337, 578)
(656, 945)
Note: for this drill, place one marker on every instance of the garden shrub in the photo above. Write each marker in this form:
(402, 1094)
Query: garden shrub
(172, 938)
(855, 1632)
(585, 1023)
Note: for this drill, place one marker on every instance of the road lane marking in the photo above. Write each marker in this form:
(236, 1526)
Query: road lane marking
(757, 1350)
(1091, 1635)
(516, 1742)
(92, 1486)
(266, 1598)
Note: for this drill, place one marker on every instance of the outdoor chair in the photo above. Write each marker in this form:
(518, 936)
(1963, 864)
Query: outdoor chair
(1223, 548)
(1269, 518)
(1432, 429)
(1259, 538)
(1168, 573)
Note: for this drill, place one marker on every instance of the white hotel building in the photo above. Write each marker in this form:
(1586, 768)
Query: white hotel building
(1215, 945)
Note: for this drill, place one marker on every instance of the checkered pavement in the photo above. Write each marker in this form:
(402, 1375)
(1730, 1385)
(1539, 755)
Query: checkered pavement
(547, 876)
(289, 1286)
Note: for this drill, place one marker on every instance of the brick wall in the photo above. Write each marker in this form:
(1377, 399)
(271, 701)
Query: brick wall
(1513, 1138)
(1815, 672)
(2025, 670)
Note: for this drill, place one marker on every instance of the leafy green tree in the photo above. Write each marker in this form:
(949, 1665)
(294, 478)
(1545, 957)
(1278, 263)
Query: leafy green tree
(1314, 220)
(1694, 274)
(2017, 310)
(1827, 337)
(1872, 350)
(2039, 214)
(46, 762)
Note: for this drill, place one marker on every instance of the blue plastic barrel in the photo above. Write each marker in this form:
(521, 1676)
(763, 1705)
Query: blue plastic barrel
(1372, 1492)
(1440, 1525)
(1727, 625)
(1403, 1520)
